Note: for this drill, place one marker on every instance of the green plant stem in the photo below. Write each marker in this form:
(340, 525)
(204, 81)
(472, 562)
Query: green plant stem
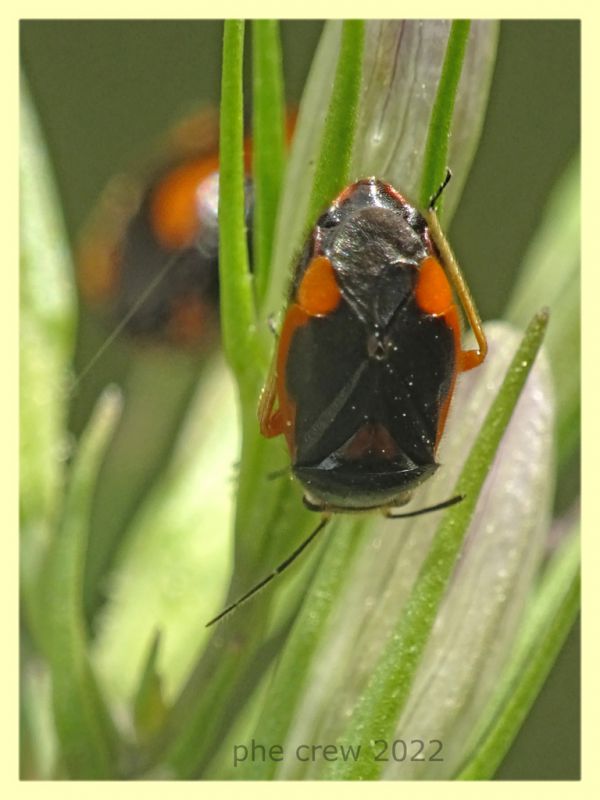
(88, 740)
(438, 137)
(552, 612)
(501, 736)
(268, 147)
(386, 694)
(238, 313)
(333, 165)
(46, 321)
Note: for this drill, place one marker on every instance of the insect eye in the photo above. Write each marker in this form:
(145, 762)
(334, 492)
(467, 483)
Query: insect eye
(327, 220)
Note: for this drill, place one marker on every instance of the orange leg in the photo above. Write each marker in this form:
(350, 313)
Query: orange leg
(469, 358)
(270, 421)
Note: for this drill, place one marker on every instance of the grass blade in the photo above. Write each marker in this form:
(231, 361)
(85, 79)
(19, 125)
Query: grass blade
(553, 612)
(268, 149)
(436, 152)
(338, 136)
(551, 274)
(47, 308)
(238, 315)
(87, 737)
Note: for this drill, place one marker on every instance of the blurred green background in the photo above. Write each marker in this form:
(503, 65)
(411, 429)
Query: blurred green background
(105, 90)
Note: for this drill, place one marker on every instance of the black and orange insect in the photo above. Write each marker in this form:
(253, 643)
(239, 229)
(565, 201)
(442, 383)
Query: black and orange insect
(368, 356)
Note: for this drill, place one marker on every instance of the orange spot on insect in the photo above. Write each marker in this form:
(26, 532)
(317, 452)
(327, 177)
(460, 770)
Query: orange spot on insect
(319, 293)
(433, 293)
(173, 210)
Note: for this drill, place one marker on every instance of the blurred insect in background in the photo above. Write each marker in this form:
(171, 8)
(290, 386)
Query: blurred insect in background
(148, 259)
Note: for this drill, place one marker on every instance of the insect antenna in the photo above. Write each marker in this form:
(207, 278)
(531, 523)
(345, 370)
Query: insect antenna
(122, 324)
(442, 186)
(452, 501)
(278, 570)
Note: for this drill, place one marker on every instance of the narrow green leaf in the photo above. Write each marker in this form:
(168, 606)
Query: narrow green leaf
(268, 146)
(38, 745)
(238, 315)
(388, 689)
(47, 307)
(46, 287)
(87, 737)
(333, 164)
(503, 718)
(438, 138)
(536, 667)
(551, 275)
